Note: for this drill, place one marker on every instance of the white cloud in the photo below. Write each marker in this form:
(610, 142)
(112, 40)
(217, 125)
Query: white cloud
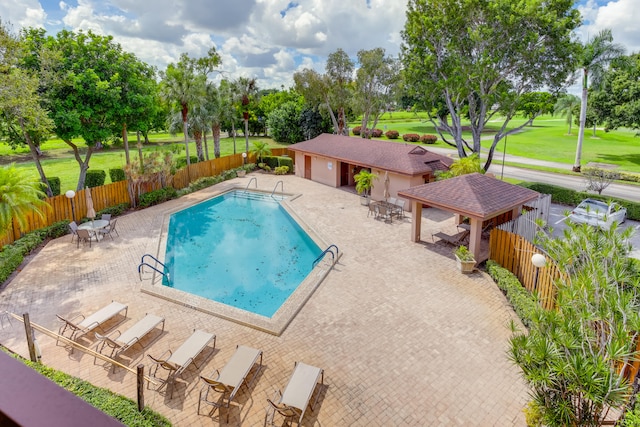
(622, 18)
(27, 13)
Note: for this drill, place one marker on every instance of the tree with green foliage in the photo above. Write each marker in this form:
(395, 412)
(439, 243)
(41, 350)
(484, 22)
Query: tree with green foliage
(184, 84)
(333, 90)
(595, 56)
(573, 357)
(565, 105)
(20, 195)
(284, 123)
(374, 86)
(534, 104)
(462, 166)
(364, 181)
(247, 92)
(475, 60)
(23, 121)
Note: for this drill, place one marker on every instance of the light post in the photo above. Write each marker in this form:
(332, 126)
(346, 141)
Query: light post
(70, 195)
(244, 158)
(539, 261)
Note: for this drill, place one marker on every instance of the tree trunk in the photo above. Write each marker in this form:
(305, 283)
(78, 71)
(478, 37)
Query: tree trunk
(197, 136)
(246, 136)
(583, 120)
(84, 165)
(215, 129)
(125, 140)
(140, 152)
(36, 157)
(206, 147)
(185, 129)
(233, 130)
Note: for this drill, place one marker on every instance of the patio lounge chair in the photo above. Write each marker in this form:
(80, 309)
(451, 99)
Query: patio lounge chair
(297, 394)
(110, 229)
(227, 382)
(87, 324)
(124, 340)
(179, 361)
(455, 240)
(84, 236)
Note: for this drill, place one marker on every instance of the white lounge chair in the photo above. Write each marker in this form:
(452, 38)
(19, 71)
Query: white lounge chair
(124, 340)
(81, 325)
(177, 362)
(293, 402)
(228, 381)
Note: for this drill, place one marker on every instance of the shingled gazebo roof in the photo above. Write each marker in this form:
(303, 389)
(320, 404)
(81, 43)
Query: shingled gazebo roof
(401, 158)
(473, 195)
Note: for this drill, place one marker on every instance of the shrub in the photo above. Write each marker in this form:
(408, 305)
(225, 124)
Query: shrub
(411, 137)
(356, 130)
(95, 178)
(115, 210)
(54, 183)
(522, 301)
(282, 170)
(275, 161)
(376, 133)
(10, 259)
(181, 162)
(157, 196)
(392, 134)
(428, 139)
(285, 161)
(117, 174)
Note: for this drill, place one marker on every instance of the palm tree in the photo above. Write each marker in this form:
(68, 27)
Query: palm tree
(19, 196)
(247, 89)
(260, 149)
(183, 86)
(565, 106)
(215, 106)
(595, 56)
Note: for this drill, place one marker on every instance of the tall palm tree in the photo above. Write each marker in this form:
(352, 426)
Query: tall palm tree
(595, 56)
(19, 196)
(215, 106)
(565, 106)
(247, 90)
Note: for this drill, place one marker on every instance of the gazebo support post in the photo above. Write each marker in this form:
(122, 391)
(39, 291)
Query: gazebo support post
(416, 220)
(475, 237)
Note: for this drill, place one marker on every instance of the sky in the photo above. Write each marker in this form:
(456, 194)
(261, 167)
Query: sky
(265, 39)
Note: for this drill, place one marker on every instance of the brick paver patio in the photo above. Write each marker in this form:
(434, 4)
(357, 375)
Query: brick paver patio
(404, 338)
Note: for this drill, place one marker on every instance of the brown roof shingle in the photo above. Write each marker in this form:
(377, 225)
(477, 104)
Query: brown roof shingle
(402, 158)
(475, 195)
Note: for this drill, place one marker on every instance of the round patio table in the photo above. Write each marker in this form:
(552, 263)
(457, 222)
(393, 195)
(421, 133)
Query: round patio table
(95, 226)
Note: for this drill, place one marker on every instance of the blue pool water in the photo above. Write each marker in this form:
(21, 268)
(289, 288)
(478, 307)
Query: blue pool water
(241, 249)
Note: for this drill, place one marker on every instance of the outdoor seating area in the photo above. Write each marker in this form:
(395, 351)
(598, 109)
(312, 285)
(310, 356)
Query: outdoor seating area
(81, 325)
(119, 342)
(386, 209)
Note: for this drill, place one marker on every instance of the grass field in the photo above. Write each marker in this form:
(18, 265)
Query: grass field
(547, 139)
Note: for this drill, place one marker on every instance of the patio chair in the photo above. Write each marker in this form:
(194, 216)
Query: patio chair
(124, 340)
(110, 229)
(84, 236)
(384, 212)
(293, 402)
(455, 240)
(372, 210)
(106, 217)
(227, 382)
(87, 324)
(178, 361)
(73, 227)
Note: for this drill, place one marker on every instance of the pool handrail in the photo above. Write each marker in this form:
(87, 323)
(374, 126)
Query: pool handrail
(252, 179)
(326, 251)
(143, 263)
(281, 189)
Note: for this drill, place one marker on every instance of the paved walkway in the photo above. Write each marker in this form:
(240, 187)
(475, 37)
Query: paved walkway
(405, 340)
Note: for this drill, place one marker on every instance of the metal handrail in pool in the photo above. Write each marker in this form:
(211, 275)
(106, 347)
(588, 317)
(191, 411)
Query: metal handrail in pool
(329, 250)
(281, 188)
(252, 179)
(143, 263)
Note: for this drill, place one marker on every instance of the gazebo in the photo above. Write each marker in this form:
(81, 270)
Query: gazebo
(475, 196)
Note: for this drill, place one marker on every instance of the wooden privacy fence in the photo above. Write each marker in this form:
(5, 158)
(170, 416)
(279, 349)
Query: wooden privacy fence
(63, 208)
(514, 253)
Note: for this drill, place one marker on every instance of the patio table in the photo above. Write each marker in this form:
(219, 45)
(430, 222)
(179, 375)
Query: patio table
(95, 227)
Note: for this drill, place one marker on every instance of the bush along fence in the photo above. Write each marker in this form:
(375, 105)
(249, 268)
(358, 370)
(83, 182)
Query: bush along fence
(116, 194)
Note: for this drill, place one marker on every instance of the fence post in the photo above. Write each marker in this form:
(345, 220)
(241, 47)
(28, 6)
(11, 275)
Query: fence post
(32, 347)
(140, 387)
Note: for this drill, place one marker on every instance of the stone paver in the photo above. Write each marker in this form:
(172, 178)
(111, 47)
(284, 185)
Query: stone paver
(404, 338)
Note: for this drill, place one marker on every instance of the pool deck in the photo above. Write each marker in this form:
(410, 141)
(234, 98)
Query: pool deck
(404, 338)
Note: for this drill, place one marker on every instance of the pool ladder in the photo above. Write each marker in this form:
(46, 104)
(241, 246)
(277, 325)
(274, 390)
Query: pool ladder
(329, 250)
(143, 263)
(253, 179)
(281, 189)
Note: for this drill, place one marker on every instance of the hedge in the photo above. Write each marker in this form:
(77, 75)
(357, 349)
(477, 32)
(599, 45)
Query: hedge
(95, 178)
(54, 184)
(157, 196)
(565, 196)
(392, 134)
(411, 137)
(116, 406)
(428, 139)
(523, 302)
(117, 174)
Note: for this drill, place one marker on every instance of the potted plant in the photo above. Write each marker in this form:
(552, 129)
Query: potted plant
(465, 260)
(364, 184)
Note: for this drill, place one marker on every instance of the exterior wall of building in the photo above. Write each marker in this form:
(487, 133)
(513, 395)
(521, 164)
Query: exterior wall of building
(325, 170)
(397, 182)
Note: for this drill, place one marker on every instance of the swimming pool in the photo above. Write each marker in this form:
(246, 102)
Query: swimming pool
(241, 248)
